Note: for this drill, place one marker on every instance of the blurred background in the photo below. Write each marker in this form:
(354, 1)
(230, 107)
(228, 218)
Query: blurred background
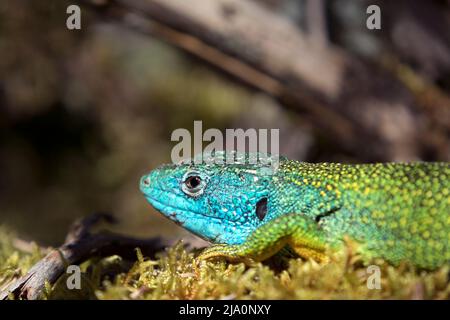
(84, 113)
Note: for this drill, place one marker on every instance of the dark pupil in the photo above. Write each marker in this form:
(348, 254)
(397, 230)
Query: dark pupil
(193, 182)
(261, 208)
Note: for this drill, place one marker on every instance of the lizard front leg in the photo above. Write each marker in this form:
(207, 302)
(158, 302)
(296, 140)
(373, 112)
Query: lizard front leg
(301, 233)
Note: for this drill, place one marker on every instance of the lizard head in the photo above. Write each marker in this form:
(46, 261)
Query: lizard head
(219, 201)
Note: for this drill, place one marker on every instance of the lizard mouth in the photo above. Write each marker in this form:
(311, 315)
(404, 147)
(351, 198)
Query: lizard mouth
(178, 214)
(196, 222)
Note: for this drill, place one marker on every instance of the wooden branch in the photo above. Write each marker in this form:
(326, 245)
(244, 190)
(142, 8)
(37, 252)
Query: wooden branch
(359, 106)
(316, 21)
(80, 245)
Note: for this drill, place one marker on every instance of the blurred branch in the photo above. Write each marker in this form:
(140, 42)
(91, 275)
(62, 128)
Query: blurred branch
(316, 21)
(28, 247)
(79, 246)
(358, 106)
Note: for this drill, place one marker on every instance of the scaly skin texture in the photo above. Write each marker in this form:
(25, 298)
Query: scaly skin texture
(395, 211)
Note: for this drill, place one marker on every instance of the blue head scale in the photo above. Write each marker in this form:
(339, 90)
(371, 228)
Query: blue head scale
(214, 197)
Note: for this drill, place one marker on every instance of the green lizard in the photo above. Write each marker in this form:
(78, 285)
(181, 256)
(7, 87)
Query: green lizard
(395, 211)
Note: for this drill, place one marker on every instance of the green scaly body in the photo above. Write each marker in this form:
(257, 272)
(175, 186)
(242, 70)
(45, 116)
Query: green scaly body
(397, 211)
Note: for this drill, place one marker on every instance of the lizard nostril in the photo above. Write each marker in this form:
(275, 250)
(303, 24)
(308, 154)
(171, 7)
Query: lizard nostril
(146, 181)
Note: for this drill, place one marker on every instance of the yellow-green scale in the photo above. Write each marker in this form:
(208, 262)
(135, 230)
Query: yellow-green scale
(397, 211)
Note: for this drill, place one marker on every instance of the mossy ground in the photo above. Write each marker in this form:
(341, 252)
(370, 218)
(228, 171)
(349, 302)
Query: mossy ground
(171, 276)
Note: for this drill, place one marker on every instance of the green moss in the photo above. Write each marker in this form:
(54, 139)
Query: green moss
(171, 276)
(13, 262)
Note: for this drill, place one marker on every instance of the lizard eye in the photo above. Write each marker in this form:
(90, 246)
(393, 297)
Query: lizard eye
(193, 184)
